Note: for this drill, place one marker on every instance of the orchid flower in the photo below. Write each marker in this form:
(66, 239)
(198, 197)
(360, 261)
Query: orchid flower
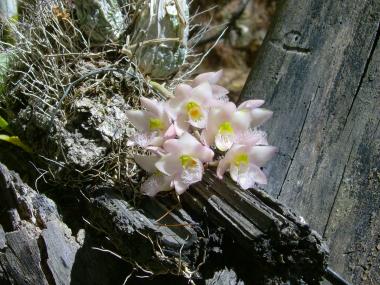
(157, 181)
(153, 123)
(184, 161)
(219, 92)
(227, 123)
(244, 162)
(190, 106)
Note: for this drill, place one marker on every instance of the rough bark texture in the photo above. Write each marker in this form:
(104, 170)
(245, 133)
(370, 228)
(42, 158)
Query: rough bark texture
(275, 240)
(157, 239)
(318, 71)
(36, 246)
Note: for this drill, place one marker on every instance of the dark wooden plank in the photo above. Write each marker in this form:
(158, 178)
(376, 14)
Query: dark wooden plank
(311, 71)
(354, 225)
(308, 71)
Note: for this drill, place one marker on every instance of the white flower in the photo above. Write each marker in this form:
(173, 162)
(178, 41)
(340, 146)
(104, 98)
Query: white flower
(227, 123)
(244, 162)
(153, 123)
(184, 161)
(190, 106)
(157, 181)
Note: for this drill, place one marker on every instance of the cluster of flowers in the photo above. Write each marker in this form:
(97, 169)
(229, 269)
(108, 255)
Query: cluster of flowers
(182, 133)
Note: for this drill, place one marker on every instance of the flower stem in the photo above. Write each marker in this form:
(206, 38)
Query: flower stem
(161, 89)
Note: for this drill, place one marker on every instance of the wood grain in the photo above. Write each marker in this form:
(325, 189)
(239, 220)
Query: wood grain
(313, 71)
(354, 225)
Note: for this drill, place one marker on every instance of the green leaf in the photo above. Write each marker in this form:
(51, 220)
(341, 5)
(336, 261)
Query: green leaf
(4, 125)
(15, 141)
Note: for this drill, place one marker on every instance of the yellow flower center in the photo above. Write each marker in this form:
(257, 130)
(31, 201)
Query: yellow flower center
(226, 128)
(156, 124)
(187, 161)
(241, 158)
(194, 110)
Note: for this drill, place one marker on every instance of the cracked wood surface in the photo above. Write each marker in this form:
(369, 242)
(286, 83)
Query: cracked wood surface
(318, 70)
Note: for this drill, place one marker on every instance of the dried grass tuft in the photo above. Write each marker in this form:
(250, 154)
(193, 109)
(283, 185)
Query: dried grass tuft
(54, 66)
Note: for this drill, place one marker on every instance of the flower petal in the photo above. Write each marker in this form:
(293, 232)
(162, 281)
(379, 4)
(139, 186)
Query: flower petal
(211, 77)
(202, 93)
(182, 93)
(223, 142)
(170, 132)
(204, 153)
(147, 162)
(241, 120)
(181, 125)
(219, 91)
(189, 144)
(151, 105)
(258, 175)
(169, 164)
(251, 104)
(193, 174)
(220, 94)
(154, 184)
(223, 165)
(205, 138)
(252, 138)
(248, 176)
(260, 155)
(259, 116)
(145, 139)
(180, 187)
(172, 146)
(202, 122)
(139, 119)
(156, 141)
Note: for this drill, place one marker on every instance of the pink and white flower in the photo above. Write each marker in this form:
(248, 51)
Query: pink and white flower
(184, 161)
(163, 127)
(157, 181)
(190, 106)
(227, 123)
(244, 162)
(153, 123)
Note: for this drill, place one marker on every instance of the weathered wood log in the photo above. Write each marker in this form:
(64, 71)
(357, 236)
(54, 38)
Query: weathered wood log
(268, 231)
(151, 236)
(37, 247)
(318, 71)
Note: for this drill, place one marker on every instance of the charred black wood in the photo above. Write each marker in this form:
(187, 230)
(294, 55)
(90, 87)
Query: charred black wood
(269, 232)
(150, 236)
